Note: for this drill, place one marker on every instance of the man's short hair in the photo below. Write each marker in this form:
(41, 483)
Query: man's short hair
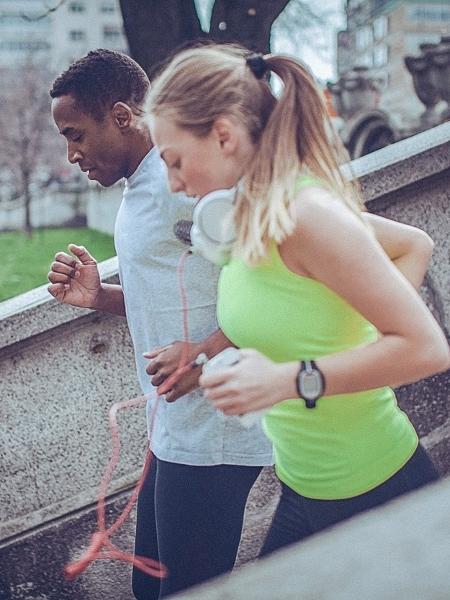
(100, 79)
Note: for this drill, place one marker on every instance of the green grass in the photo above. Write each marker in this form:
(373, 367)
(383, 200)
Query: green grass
(25, 262)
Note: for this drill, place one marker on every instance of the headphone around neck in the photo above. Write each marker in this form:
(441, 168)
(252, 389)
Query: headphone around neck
(212, 231)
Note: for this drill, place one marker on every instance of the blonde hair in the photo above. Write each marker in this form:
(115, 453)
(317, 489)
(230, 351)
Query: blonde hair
(292, 133)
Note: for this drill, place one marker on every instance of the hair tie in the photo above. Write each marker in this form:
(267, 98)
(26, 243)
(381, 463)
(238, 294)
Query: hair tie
(257, 64)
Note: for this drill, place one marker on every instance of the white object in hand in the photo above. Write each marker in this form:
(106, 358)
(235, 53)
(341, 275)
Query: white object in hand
(227, 358)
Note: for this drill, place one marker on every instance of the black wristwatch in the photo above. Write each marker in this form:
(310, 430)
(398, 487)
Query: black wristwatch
(310, 383)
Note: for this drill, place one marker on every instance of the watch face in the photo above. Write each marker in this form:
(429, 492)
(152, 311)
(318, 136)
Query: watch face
(310, 385)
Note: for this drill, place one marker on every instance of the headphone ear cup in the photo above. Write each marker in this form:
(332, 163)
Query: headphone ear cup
(213, 216)
(213, 233)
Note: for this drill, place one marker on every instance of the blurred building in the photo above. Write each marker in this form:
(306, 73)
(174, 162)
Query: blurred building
(32, 30)
(379, 34)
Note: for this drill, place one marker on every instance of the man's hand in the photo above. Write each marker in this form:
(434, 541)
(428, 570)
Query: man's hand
(75, 279)
(165, 361)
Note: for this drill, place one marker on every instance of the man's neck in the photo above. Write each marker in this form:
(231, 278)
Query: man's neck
(142, 144)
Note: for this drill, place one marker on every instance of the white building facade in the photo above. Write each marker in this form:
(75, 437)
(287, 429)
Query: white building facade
(56, 32)
(379, 34)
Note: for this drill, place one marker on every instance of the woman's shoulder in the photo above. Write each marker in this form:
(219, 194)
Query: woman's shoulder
(316, 201)
(321, 216)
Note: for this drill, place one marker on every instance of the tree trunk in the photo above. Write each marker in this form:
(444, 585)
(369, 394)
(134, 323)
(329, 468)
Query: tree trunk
(155, 28)
(247, 22)
(27, 206)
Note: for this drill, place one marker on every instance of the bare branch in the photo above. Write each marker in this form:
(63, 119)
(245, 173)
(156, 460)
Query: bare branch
(49, 11)
(300, 22)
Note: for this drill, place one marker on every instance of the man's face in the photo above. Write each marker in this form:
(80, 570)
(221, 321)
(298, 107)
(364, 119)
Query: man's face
(98, 147)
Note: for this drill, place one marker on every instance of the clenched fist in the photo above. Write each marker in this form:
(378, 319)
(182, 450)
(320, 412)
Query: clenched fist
(74, 278)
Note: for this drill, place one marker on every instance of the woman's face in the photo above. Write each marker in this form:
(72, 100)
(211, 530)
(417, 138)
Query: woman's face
(199, 165)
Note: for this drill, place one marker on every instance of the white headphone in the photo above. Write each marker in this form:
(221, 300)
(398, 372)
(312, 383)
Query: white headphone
(212, 232)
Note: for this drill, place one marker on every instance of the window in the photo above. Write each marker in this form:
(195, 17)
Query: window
(77, 7)
(380, 27)
(15, 45)
(108, 7)
(436, 14)
(380, 55)
(76, 35)
(364, 37)
(111, 33)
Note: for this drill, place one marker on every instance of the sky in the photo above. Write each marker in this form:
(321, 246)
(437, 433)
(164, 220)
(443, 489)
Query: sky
(316, 46)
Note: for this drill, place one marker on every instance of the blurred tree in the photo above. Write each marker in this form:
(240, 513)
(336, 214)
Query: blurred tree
(28, 143)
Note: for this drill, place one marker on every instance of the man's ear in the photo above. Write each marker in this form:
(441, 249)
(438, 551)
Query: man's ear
(122, 115)
(225, 131)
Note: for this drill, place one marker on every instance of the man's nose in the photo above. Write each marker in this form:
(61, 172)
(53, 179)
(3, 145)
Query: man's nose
(73, 156)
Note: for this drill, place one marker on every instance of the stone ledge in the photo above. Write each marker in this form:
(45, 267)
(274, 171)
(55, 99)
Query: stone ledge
(397, 551)
(40, 518)
(403, 163)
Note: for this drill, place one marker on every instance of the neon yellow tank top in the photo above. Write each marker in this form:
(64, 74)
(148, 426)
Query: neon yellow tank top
(348, 444)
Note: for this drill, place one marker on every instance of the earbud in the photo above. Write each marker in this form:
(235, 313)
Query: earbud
(182, 231)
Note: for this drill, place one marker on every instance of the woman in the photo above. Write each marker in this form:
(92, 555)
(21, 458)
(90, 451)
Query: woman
(331, 322)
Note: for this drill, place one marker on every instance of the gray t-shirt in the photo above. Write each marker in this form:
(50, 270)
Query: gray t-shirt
(190, 430)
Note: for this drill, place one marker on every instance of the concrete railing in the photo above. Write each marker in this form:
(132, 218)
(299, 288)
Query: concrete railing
(62, 368)
(397, 552)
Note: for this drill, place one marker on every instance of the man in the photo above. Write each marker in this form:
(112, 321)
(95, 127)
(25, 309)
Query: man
(191, 507)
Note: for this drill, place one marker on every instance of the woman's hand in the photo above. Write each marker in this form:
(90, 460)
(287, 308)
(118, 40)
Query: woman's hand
(408, 247)
(254, 383)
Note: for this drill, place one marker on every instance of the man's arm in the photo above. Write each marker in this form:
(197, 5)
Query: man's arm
(165, 360)
(110, 299)
(74, 279)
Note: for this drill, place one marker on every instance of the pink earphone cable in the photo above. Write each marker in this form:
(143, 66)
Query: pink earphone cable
(101, 546)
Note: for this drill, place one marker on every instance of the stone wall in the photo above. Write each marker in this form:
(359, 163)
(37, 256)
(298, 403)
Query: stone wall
(62, 368)
(410, 182)
(48, 208)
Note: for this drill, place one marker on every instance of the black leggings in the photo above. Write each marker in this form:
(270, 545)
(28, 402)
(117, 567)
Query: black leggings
(190, 518)
(298, 517)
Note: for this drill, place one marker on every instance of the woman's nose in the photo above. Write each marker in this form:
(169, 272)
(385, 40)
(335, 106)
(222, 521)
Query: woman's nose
(175, 184)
